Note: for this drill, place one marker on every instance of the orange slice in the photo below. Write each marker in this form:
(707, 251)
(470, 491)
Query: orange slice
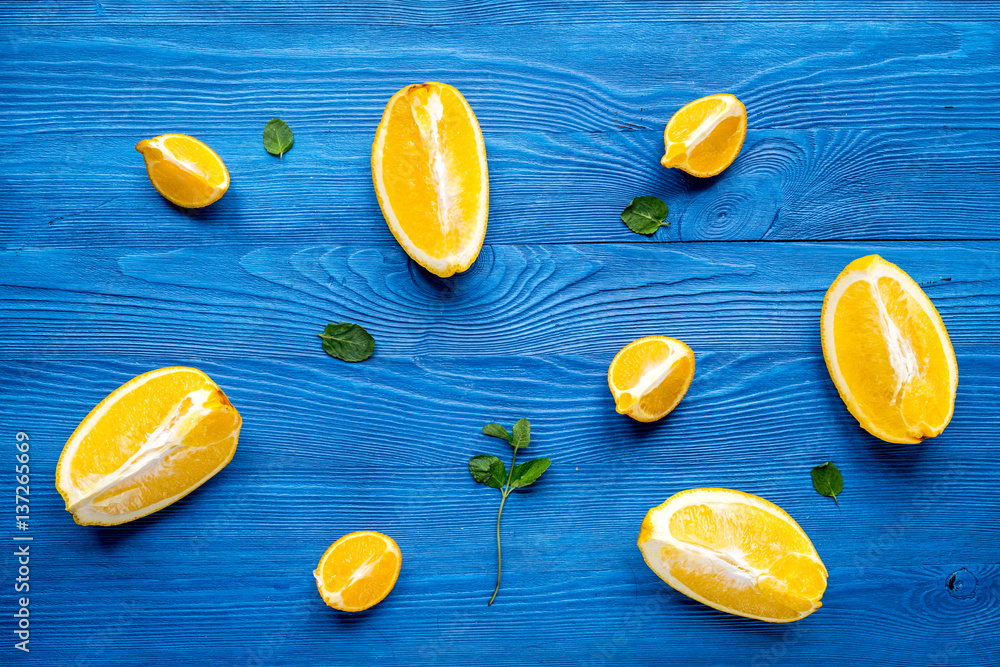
(705, 136)
(735, 552)
(151, 442)
(888, 352)
(184, 170)
(358, 570)
(650, 376)
(429, 170)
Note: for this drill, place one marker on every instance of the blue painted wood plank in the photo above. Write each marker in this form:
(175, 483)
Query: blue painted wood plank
(545, 188)
(550, 79)
(586, 300)
(246, 542)
(422, 13)
(871, 127)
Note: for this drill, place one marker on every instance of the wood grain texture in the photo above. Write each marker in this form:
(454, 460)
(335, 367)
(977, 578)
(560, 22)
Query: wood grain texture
(392, 14)
(545, 188)
(584, 300)
(873, 128)
(573, 575)
(548, 79)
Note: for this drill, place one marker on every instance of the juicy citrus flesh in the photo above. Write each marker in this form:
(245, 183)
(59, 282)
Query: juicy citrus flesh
(735, 552)
(358, 570)
(705, 136)
(148, 444)
(429, 171)
(888, 352)
(650, 376)
(184, 170)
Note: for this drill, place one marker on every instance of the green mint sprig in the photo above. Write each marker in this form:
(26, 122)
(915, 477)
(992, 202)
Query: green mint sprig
(489, 470)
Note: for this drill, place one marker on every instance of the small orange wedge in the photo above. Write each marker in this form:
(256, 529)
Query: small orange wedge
(735, 552)
(888, 352)
(151, 442)
(706, 135)
(358, 570)
(184, 170)
(429, 171)
(650, 376)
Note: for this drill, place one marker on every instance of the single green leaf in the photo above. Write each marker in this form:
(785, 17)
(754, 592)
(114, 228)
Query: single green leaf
(489, 470)
(828, 480)
(497, 431)
(644, 215)
(277, 137)
(526, 473)
(347, 341)
(522, 433)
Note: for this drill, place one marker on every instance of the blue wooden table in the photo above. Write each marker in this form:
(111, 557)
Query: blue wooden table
(872, 129)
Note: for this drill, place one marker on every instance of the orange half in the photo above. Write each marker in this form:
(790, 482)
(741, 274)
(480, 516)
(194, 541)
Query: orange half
(735, 552)
(184, 170)
(429, 171)
(358, 570)
(151, 442)
(705, 136)
(888, 352)
(650, 376)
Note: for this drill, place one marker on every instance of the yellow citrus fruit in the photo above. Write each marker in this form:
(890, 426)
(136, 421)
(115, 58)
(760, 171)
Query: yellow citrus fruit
(705, 136)
(358, 570)
(151, 442)
(888, 352)
(735, 552)
(429, 170)
(184, 170)
(650, 376)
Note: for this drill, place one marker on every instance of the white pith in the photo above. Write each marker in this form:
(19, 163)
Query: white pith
(902, 356)
(438, 167)
(166, 438)
(464, 256)
(740, 572)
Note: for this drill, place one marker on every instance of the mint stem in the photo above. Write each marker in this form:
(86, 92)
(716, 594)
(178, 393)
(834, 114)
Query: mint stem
(504, 493)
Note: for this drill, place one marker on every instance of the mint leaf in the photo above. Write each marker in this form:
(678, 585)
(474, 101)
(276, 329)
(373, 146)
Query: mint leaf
(488, 469)
(644, 215)
(347, 341)
(522, 433)
(277, 137)
(524, 474)
(828, 480)
(497, 431)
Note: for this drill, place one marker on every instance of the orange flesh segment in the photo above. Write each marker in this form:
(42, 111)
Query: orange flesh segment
(198, 159)
(736, 556)
(648, 377)
(184, 170)
(705, 136)
(152, 441)
(432, 168)
(893, 361)
(358, 571)
(126, 425)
